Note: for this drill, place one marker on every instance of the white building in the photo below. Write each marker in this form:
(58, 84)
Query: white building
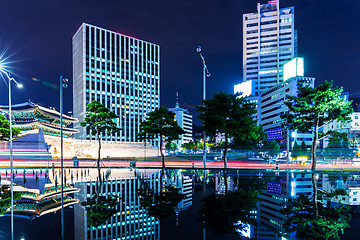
(272, 106)
(121, 72)
(269, 41)
(184, 119)
(132, 221)
(351, 128)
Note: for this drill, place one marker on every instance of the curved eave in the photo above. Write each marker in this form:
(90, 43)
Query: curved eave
(56, 114)
(42, 125)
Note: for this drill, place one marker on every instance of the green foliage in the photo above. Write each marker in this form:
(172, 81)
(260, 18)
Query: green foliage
(171, 146)
(302, 218)
(313, 108)
(339, 147)
(5, 198)
(99, 119)
(5, 130)
(160, 123)
(160, 205)
(228, 115)
(189, 146)
(99, 209)
(271, 148)
(299, 150)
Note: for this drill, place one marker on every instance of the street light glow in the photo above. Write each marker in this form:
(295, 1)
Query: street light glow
(19, 85)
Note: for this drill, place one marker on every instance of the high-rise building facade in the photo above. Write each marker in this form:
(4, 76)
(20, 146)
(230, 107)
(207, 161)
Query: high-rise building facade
(121, 72)
(184, 119)
(269, 41)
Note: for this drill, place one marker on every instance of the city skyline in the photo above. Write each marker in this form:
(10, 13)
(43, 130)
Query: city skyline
(42, 49)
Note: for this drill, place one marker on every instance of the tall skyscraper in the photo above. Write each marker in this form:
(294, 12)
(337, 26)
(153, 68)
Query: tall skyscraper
(269, 41)
(121, 72)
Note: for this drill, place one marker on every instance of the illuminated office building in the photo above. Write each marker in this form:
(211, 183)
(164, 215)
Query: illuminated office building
(269, 41)
(121, 72)
(130, 222)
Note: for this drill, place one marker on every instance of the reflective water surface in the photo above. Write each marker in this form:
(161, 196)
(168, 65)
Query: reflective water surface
(181, 204)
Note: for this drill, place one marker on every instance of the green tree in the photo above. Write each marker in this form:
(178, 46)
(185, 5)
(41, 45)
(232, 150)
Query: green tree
(189, 146)
(230, 116)
(5, 198)
(160, 123)
(5, 130)
(295, 151)
(170, 146)
(271, 148)
(313, 220)
(313, 108)
(99, 209)
(99, 120)
(339, 147)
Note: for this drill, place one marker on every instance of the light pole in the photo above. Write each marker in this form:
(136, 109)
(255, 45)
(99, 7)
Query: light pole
(11, 150)
(205, 75)
(63, 84)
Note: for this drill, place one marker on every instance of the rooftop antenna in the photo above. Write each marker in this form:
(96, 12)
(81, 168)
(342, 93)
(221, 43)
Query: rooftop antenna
(177, 98)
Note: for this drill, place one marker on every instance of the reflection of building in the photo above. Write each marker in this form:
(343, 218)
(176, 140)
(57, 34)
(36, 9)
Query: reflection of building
(185, 183)
(33, 205)
(269, 41)
(276, 195)
(121, 72)
(131, 222)
(29, 116)
(351, 186)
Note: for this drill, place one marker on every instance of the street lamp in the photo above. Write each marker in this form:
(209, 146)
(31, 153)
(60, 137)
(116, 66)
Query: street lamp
(63, 84)
(205, 75)
(2, 70)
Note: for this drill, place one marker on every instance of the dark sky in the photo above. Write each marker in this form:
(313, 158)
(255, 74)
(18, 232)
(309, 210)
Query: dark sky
(37, 35)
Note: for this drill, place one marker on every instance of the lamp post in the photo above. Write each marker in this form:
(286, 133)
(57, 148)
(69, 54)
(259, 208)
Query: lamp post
(63, 84)
(205, 75)
(11, 149)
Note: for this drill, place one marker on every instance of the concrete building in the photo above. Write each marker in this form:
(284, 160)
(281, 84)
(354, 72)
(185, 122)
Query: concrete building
(184, 119)
(269, 41)
(272, 106)
(121, 72)
(131, 222)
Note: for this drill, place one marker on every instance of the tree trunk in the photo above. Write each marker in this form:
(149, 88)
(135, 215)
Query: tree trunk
(314, 182)
(98, 161)
(226, 182)
(225, 151)
(161, 152)
(313, 148)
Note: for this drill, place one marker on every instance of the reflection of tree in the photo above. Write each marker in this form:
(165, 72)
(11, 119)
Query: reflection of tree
(99, 209)
(230, 212)
(5, 199)
(312, 219)
(159, 204)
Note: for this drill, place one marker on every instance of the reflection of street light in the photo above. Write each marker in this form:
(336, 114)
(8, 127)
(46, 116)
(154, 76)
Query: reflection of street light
(63, 84)
(205, 74)
(2, 70)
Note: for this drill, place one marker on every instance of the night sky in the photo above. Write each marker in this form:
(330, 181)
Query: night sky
(37, 35)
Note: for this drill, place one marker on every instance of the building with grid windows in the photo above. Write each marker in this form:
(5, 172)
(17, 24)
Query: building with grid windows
(184, 119)
(269, 41)
(121, 72)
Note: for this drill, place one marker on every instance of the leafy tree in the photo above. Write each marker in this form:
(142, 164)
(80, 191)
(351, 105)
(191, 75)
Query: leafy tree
(339, 147)
(313, 108)
(299, 150)
(5, 198)
(171, 146)
(160, 123)
(5, 130)
(189, 146)
(230, 116)
(160, 204)
(312, 220)
(99, 120)
(271, 148)
(99, 209)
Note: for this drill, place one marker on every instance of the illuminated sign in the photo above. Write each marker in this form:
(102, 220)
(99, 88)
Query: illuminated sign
(273, 187)
(294, 68)
(245, 88)
(274, 134)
